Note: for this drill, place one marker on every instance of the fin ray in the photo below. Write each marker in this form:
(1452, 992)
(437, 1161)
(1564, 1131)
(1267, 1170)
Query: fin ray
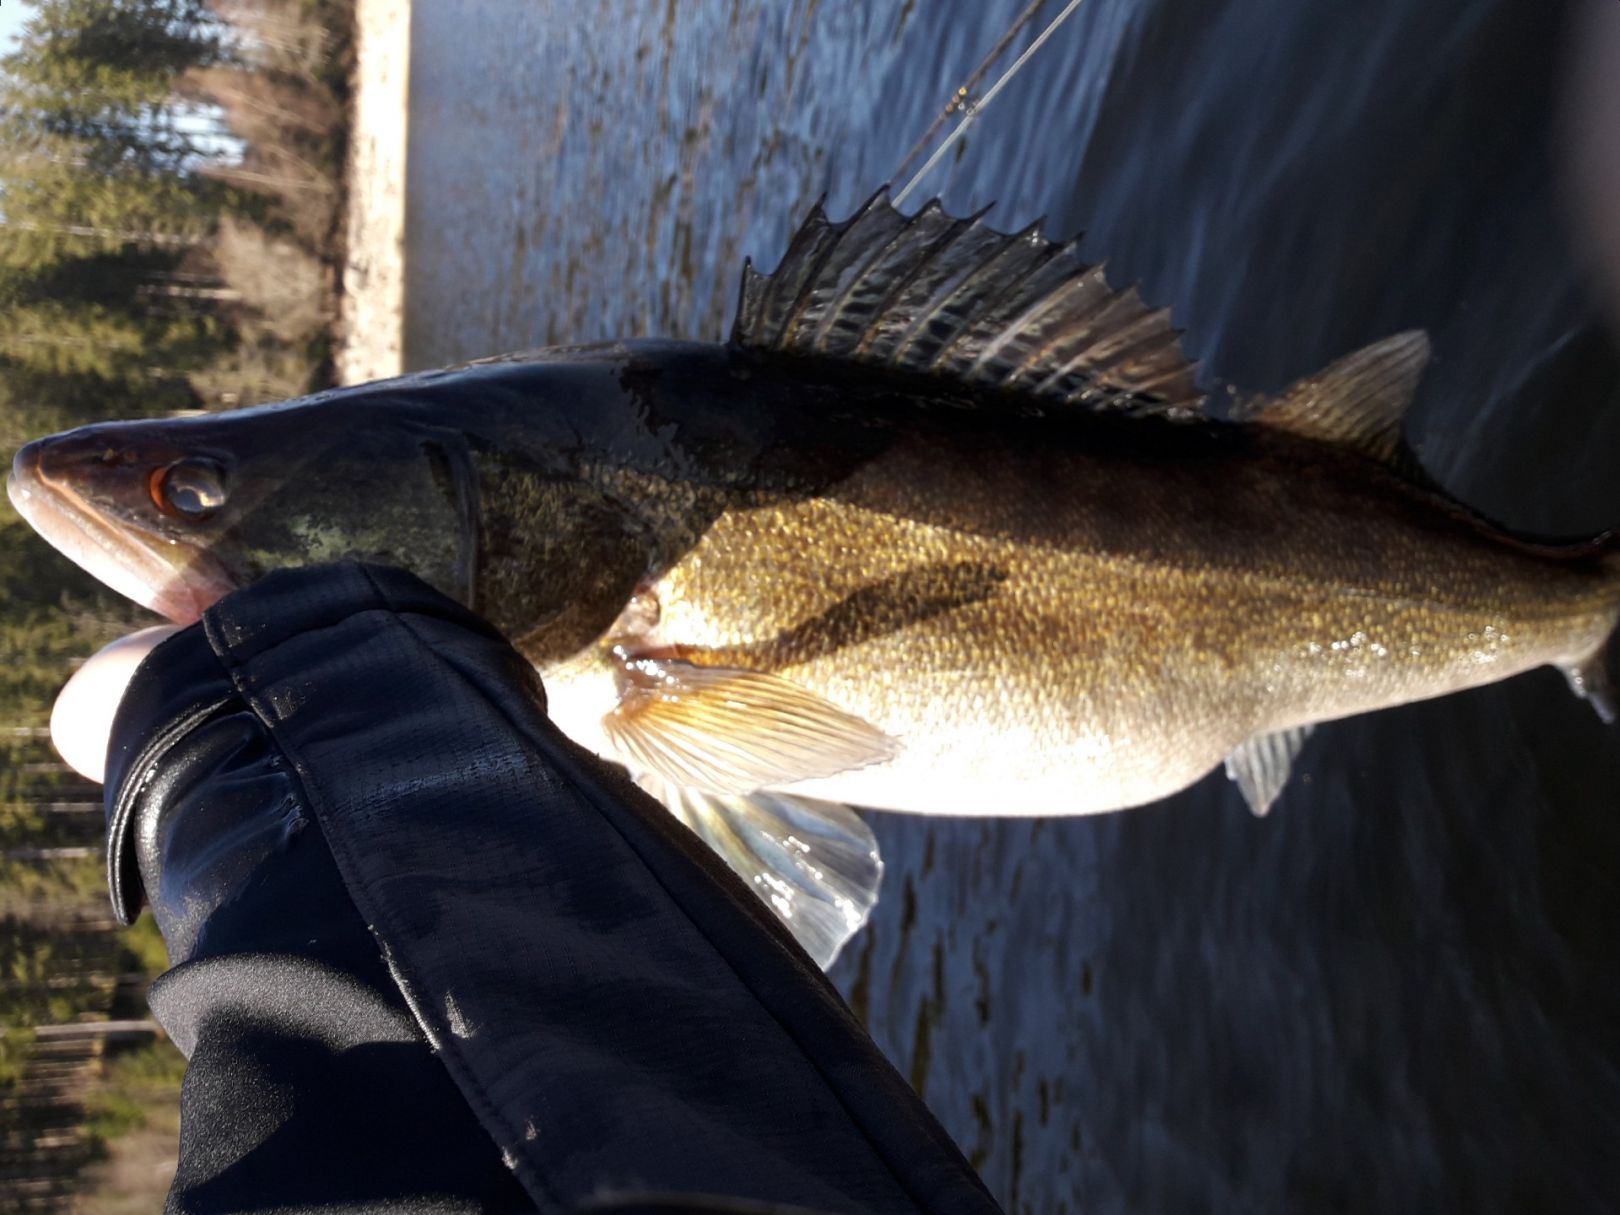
(815, 864)
(1591, 680)
(1356, 402)
(1260, 766)
(953, 297)
(728, 730)
(831, 292)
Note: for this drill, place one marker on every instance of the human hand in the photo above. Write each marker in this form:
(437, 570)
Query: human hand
(81, 720)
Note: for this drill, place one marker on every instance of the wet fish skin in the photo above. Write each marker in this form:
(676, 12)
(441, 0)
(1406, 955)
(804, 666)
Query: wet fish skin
(309, 482)
(1087, 609)
(944, 527)
(1115, 604)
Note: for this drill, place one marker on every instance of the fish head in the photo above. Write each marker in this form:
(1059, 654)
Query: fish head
(175, 513)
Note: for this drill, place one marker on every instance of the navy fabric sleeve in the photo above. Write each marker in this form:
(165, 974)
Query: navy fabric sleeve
(309, 1087)
(414, 923)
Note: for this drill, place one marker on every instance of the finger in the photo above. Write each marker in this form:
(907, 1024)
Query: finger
(81, 720)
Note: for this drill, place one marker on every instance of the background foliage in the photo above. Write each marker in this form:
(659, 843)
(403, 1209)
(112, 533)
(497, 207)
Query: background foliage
(170, 207)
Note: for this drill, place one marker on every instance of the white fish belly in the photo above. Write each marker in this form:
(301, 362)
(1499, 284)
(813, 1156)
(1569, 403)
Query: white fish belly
(945, 765)
(1026, 680)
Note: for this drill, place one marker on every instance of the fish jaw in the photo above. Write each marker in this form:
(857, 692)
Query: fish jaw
(166, 575)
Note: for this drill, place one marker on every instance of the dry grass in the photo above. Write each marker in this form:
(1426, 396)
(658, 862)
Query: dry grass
(139, 1168)
(135, 1119)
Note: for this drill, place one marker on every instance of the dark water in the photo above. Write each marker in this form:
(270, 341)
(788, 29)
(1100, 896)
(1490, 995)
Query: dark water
(1401, 991)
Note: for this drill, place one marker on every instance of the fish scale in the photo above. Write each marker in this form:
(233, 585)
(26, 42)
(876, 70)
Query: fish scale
(941, 529)
(1170, 661)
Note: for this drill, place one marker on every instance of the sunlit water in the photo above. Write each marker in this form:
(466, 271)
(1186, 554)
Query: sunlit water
(1399, 992)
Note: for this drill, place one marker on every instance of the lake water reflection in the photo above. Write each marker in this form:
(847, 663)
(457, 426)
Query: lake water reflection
(1401, 991)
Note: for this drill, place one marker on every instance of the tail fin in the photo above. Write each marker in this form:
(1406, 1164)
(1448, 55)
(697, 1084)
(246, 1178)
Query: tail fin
(1593, 677)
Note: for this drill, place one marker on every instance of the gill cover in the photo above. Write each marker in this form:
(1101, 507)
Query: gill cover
(175, 513)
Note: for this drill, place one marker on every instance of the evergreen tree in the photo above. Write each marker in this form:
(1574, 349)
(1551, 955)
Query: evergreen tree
(104, 192)
(99, 134)
(108, 72)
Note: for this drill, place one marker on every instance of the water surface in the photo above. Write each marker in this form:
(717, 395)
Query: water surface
(1401, 991)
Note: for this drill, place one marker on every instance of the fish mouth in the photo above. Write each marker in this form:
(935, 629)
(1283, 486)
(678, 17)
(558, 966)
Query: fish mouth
(175, 579)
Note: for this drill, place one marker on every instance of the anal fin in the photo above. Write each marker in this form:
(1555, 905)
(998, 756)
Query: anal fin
(1591, 680)
(815, 864)
(1261, 765)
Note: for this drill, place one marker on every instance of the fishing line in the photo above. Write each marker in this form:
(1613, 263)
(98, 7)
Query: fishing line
(961, 98)
(972, 110)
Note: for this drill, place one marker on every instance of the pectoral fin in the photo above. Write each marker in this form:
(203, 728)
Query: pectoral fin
(1260, 766)
(725, 730)
(815, 864)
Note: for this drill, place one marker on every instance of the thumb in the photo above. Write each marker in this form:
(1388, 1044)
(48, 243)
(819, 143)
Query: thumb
(81, 721)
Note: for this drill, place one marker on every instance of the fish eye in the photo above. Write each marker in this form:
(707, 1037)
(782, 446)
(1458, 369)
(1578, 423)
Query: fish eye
(193, 489)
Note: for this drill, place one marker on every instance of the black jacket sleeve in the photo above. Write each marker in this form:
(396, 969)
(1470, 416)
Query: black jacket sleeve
(429, 955)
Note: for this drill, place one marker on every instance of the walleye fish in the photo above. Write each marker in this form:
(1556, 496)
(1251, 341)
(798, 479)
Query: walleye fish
(944, 527)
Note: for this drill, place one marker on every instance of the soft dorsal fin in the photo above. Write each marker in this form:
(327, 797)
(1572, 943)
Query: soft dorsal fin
(1356, 402)
(953, 297)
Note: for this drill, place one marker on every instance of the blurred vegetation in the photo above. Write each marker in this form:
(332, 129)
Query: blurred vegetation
(170, 238)
(170, 182)
(133, 1081)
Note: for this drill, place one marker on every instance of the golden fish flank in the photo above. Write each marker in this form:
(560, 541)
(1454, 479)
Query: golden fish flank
(1058, 677)
(943, 528)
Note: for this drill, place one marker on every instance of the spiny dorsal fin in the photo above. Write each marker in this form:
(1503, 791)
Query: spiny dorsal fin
(954, 297)
(1356, 402)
